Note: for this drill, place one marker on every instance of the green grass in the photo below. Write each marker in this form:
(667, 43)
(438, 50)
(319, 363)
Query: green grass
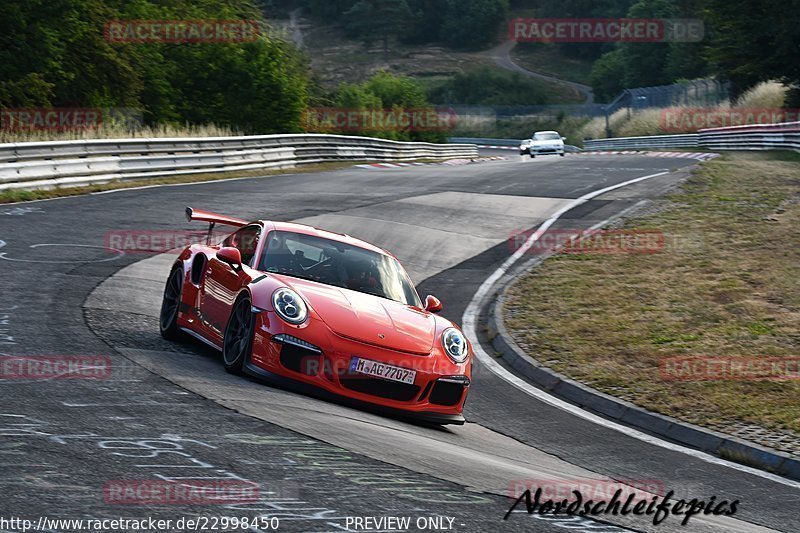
(548, 59)
(726, 284)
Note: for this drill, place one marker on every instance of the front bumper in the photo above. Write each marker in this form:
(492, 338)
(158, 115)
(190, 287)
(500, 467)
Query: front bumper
(547, 150)
(313, 356)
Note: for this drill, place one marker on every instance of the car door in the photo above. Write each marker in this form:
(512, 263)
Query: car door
(224, 282)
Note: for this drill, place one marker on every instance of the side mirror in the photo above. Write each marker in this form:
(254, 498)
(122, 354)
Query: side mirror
(432, 304)
(563, 138)
(230, 255)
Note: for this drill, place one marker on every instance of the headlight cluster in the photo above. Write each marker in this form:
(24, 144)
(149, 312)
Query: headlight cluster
(455, 344)
(289, 306)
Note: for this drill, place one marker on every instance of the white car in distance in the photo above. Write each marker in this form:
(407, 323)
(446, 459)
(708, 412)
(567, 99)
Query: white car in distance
(546, 143)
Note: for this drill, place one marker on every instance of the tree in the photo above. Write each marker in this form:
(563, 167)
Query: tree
(427, 19)
(473, 24)
(754, 41)
(646, 64)
(377, 20)
(54, 53)
(607, 76)
(388, 95)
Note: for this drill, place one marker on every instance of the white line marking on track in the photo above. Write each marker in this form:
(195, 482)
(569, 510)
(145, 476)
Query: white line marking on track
(470, 321)
(119, 253)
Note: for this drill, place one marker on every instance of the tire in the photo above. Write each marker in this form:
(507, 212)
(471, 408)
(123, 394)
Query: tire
(561, 154)
(533, 156)
(238, 340)
(170, 305)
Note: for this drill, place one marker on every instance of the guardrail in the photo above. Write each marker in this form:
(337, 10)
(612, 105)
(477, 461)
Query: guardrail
(46, 165)
(689, 140)
(485, 141)
(782, 136)
(505, 143)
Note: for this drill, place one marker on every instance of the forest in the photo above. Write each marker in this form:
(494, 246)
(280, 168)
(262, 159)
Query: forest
(55, 53)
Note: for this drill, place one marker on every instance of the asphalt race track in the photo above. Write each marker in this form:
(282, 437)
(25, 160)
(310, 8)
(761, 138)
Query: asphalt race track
(169, 411)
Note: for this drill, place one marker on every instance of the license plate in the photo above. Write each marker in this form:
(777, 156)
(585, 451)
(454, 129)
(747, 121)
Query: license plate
(382, 370)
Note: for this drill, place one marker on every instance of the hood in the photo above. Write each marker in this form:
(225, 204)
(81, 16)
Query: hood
(368, 318)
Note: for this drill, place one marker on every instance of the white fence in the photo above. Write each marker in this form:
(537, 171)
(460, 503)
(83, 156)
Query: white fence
(46, 165)
(784, 136)
(690, 140)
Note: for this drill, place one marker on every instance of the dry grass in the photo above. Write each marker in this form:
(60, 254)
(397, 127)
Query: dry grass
(644, 122)
(725, 285)
(118, 132)
(596, 128)
(768, 95)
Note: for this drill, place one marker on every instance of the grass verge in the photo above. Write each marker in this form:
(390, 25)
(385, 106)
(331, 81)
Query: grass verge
(726, 284)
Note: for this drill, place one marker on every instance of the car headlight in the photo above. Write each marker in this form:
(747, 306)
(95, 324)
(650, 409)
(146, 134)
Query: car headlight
(455, 344)
(289, 306)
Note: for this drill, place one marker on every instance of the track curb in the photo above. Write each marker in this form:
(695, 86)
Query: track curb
(713, 442)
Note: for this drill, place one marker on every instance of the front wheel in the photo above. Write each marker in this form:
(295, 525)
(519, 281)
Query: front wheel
(168, 320)
(238, 339)
(561, 154)
(533, 156)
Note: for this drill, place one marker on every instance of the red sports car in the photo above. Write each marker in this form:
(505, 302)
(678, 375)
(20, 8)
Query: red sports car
(321, 310)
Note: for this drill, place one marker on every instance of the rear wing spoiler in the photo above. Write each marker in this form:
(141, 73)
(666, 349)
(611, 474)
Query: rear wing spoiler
(213, 218)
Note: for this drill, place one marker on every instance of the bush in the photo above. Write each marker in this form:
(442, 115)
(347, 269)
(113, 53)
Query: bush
(487, 86)
(384, 91)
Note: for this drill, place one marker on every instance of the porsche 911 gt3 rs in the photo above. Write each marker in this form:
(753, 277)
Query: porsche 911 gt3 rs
(319, 310)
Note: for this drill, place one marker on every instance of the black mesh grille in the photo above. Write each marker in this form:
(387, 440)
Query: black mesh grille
(392, 390)
(300, 359)
(425, 391)
(445, 393)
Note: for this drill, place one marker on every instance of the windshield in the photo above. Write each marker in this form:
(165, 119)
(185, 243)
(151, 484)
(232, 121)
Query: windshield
(546, 137)
(338, 264)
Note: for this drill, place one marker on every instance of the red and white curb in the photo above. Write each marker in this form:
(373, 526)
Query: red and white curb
(451, 162)
(700, 156)
(493, 147)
